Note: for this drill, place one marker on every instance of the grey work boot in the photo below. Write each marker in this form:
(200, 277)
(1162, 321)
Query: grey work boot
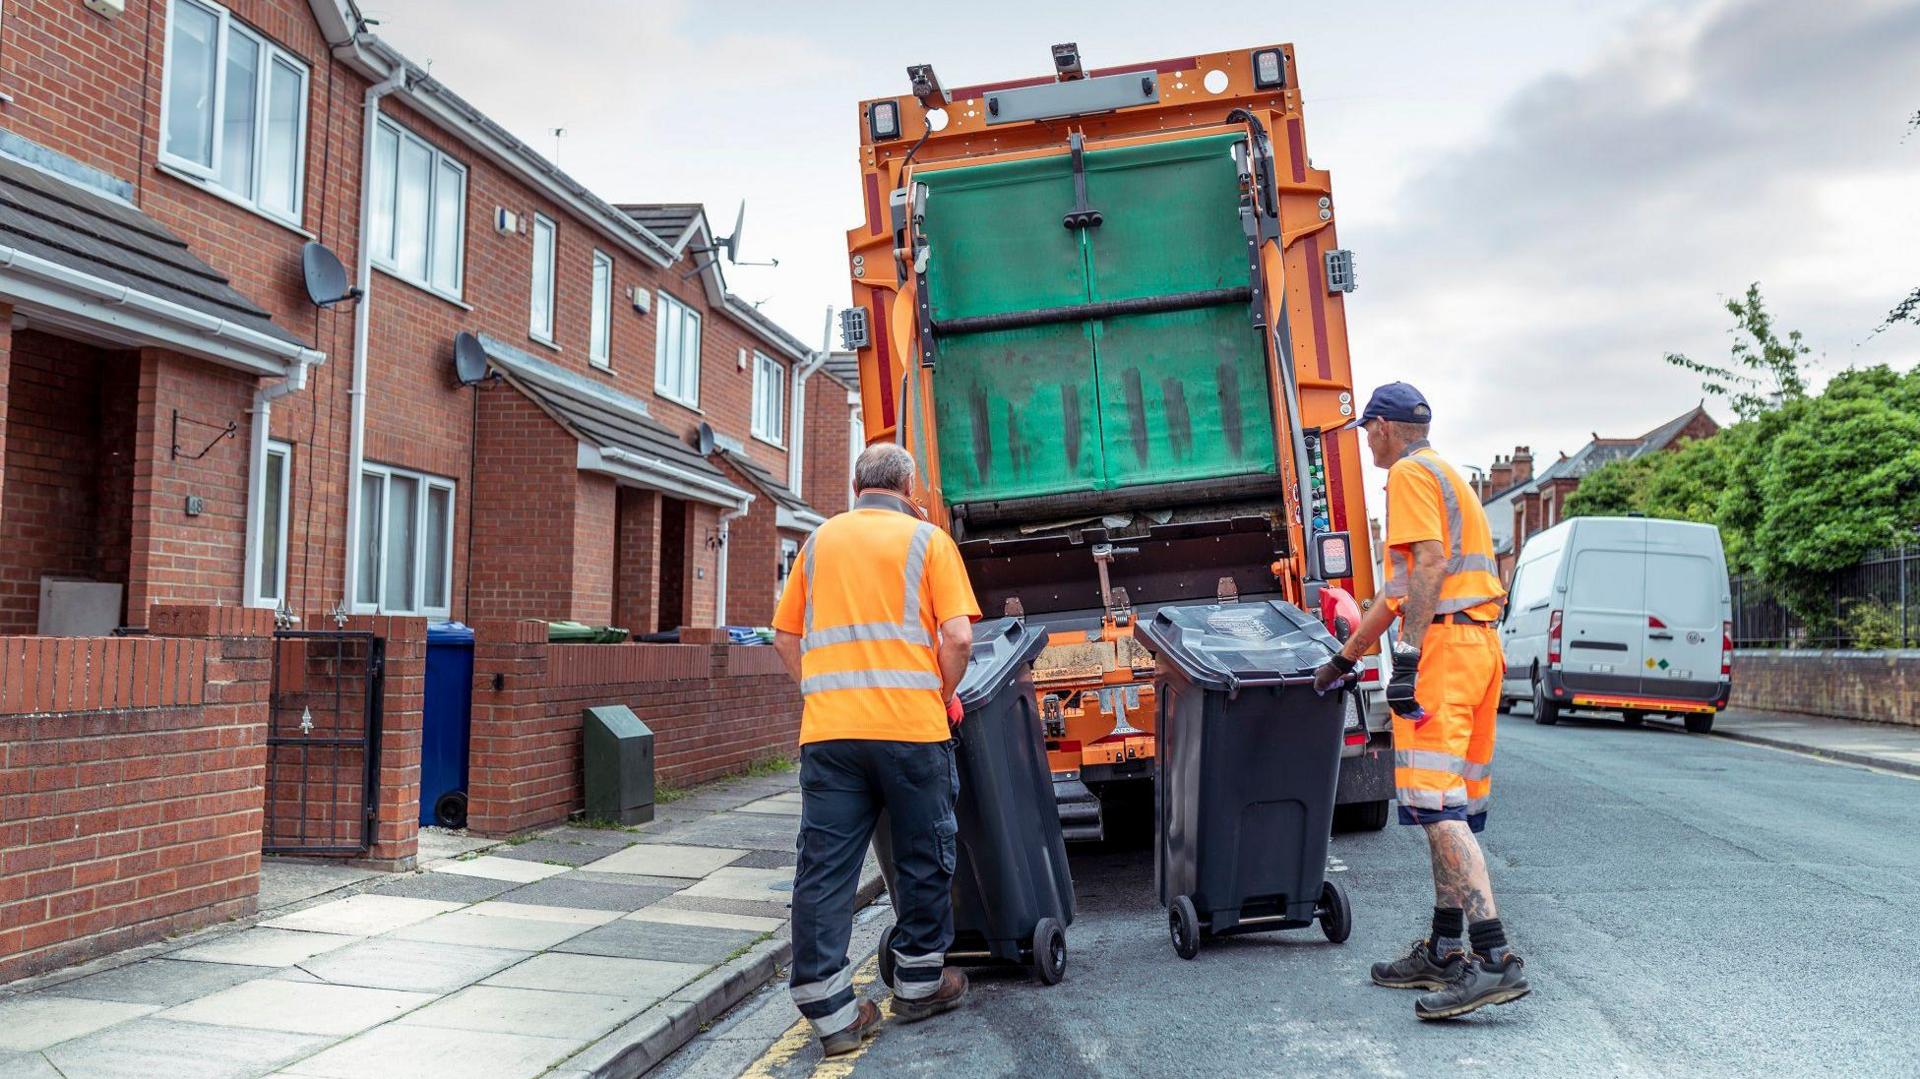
(1473, 982)
(865, 1024)
(953, 989)
(1418, 969)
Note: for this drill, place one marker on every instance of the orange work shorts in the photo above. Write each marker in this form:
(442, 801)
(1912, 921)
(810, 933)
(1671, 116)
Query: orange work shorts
(1443, 767)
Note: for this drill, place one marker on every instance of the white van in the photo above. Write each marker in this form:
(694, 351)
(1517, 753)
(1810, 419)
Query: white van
(1620, 614)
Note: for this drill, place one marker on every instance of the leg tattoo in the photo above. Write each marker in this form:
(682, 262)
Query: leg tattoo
(1460, 870)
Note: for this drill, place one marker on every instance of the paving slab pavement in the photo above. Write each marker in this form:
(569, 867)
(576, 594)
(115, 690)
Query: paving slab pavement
(575, 952)
(1891, 746)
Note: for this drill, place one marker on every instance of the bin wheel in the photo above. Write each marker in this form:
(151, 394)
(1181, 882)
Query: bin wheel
(1336, 914)
(1184, 924)
(886, 955)
(450, 811)
(1049, 952)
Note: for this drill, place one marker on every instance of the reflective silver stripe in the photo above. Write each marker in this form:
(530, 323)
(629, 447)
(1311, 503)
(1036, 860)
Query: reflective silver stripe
(1402, 571)
(827, 683)
(1425, 799)
(1461, 603)
(903, 961)
(865, 631)
(1477, 806)
(1457, 562)
(916, 566)
(813, 992)
(1429, 760)
(806, 555)
(1472, 561)
(1446, 494)
(1476, 771)
(839, 1020)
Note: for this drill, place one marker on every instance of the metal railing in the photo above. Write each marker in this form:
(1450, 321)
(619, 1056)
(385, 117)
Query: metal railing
(1872, 604)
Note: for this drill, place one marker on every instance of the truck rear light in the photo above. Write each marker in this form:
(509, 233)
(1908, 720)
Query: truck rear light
(1335, 552)
(1726, 649)
(1553, 639)
(1269, 69)
(883, 120)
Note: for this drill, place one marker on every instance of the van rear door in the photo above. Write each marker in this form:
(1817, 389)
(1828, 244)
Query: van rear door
(1603, 631)
(1686, 578)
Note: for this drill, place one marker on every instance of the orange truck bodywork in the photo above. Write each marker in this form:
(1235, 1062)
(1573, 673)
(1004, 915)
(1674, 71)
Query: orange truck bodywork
(1097, 687)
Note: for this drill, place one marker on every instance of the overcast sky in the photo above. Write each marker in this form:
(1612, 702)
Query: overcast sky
(1543, 197)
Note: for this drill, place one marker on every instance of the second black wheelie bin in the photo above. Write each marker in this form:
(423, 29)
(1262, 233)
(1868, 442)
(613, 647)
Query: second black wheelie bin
(1012, 890)
(1248, 762)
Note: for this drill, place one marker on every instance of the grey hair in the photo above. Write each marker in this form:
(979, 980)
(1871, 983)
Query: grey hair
(884, 466)
(1408, 430)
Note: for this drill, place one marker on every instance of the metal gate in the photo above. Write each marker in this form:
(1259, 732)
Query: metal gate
(323, 742)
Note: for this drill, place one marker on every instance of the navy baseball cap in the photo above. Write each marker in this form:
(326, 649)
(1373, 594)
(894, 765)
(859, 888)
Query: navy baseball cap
(1395, 401)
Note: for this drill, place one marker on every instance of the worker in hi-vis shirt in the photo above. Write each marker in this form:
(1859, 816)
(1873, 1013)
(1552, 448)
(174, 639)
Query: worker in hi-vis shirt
(876, 625)
(1444, 586)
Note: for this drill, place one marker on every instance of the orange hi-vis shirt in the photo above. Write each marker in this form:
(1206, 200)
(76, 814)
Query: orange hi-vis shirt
(1427, 500)
(866, 598)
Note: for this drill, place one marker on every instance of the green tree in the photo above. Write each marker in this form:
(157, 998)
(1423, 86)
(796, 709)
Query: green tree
(1763, 372)
(1614, 489)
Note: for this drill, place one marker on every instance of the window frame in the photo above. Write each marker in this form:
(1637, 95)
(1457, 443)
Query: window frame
(600, 312)
(671, 305)
(544, 334)
(385, 249)
(428, 483)
(270, 52)
(772, 393)
(257, 596)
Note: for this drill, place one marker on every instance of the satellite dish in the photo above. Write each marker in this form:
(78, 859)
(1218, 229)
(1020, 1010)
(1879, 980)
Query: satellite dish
(326, 276)
(469, 359)
(732, 243)
(703, 439)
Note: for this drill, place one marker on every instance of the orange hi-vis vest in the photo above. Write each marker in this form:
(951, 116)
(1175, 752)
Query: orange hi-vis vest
(1427, 500)
(872, 588)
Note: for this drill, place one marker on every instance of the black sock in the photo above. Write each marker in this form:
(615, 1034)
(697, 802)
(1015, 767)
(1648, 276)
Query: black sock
(1448, 923)
(1489, 938)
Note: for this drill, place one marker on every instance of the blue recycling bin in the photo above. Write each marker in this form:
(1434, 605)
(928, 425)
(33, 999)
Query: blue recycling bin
(446, 725)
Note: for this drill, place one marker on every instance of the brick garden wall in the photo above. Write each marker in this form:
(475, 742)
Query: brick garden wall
(1883, 687)
(713, 709)
(130, 780)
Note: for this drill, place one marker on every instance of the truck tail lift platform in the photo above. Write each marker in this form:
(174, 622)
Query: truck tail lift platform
(1104, 309)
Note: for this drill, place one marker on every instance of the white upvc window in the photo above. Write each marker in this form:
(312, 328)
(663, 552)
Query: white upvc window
(418, 231)
(540, 310)
(769, 397)
(234, 109)
(789, 554)
(267, 543)
(600, 336)
(405, 543)
(676, 352)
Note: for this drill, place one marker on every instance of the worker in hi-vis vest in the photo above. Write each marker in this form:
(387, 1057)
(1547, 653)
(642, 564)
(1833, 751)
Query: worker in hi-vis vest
(876, 625)
(1443, 584)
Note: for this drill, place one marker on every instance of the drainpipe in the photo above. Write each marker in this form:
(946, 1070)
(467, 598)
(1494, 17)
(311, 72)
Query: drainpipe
(362, 320)
(796, 442)
(720, 572)
(262, 413)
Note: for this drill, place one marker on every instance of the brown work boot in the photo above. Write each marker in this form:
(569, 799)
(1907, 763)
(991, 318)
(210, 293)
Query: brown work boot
(846, 1040)
(953, 989)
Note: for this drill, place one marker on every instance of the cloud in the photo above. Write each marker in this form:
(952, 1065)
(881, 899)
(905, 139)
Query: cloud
(1532, 280)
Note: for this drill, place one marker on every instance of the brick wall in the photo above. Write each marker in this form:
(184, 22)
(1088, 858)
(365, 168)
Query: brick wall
(752, 551)
(828, 482)
(636, 561)
(714, 709)
(1883, 687)
(130, 777)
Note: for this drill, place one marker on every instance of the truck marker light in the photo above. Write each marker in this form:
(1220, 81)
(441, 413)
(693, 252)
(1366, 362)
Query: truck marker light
(883, 120)
(1269, 69)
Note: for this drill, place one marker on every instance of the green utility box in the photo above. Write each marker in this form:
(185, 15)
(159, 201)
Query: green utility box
(617, 754)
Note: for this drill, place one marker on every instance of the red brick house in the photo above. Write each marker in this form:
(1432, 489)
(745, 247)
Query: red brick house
(1520, 503)
(192, 447)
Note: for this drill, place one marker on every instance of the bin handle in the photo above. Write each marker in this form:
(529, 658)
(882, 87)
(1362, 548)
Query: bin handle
(1235, 683)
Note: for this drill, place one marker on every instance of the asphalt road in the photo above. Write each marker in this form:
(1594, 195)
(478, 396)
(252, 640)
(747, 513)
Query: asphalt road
(1687, 906)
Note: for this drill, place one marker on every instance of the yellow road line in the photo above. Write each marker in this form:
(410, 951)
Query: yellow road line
(799, 1039)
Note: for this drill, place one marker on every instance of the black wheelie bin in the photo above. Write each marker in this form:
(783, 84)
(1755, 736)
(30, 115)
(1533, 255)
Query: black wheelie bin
(1248, 761)
(1012, 890)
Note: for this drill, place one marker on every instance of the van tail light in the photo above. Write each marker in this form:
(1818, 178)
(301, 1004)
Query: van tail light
(1553, 639)
(1726, 649)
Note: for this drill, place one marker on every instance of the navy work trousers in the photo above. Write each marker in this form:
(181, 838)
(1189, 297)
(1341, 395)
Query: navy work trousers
(846, 787)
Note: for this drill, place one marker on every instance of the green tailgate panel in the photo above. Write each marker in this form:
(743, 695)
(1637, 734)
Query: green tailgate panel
(1125, 401)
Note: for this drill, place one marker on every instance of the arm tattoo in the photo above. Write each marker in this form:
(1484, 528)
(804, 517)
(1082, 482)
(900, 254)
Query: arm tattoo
(1423, 591)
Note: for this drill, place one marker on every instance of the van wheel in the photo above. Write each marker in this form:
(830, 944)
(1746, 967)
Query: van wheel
(1545, 712)
(1699, 724)
(1634, 719)
(1505, 707)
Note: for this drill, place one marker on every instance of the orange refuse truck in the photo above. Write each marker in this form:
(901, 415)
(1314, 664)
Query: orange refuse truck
(1105, 311)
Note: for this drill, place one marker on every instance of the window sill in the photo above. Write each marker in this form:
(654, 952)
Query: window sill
(428, 289)
(676, 402)
(765, 441)
(230, 198)
(547, 341)
(605, 366)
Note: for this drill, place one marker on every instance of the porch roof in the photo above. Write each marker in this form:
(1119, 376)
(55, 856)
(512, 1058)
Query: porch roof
(793, 511)
(617, 433)
(73, 257)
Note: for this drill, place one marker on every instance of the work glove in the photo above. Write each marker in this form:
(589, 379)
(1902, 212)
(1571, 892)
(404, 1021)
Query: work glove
(955, 713)
(1406, 670)
(1332, 673)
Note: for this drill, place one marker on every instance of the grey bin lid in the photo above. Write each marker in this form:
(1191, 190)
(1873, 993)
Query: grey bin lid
(1228, 645)
(1001, 649)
